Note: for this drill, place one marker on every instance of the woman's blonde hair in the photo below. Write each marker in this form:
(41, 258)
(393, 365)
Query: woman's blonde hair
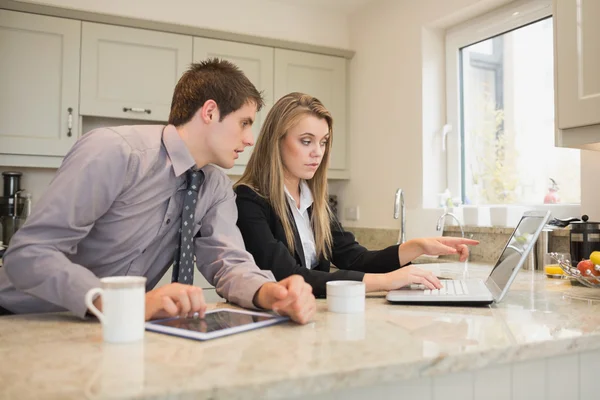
(265, 172)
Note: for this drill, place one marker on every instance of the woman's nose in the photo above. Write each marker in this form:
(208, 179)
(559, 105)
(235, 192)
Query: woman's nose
(317, 151)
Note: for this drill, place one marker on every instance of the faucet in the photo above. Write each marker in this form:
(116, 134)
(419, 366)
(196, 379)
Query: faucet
(440, 222)
(400, 211)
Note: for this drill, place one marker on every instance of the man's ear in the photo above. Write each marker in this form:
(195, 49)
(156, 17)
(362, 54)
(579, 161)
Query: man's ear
(209, 112)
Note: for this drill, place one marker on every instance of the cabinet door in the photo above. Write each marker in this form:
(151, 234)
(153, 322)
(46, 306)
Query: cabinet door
(323, 77)
(257, 64)
(39, 83)
(130, 73)
(577, 46)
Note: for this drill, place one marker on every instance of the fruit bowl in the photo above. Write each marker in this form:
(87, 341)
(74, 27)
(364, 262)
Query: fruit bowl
(589, 279)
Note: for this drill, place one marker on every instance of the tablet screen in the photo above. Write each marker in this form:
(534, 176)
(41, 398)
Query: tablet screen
(213, 321)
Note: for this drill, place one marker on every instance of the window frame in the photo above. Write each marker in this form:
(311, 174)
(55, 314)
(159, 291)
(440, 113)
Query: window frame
(510, 17)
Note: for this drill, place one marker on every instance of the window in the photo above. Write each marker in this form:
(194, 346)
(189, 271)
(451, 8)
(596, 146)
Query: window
(500, 86)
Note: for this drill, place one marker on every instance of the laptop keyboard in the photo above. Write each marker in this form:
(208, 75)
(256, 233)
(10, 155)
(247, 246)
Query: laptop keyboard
(450, 288)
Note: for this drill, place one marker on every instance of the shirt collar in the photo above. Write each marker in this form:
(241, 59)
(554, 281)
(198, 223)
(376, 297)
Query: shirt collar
(180, 156)
(306, 198)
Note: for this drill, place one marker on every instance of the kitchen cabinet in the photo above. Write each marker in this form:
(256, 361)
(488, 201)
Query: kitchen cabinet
(130, 73)
(39, 101)
(60, 75)
(256, 62)
(577, 66)
(321, 76)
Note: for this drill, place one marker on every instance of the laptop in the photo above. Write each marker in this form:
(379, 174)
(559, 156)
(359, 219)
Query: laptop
(494, 288)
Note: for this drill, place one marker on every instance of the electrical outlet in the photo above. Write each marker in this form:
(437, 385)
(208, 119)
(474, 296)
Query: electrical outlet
(352, 213)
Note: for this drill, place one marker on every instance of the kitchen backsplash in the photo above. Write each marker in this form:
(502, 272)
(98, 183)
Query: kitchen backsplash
(491, 240)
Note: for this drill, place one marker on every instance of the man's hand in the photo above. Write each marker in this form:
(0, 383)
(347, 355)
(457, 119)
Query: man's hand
(292, 297)
(175, 299)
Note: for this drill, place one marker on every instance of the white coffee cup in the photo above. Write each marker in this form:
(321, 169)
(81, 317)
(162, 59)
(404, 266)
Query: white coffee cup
(123, 307)
(346, 296)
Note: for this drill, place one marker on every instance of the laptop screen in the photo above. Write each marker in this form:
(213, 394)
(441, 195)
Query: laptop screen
(518, 247)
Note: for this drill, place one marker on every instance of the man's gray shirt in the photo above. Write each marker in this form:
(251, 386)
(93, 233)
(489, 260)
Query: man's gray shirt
(114, 209)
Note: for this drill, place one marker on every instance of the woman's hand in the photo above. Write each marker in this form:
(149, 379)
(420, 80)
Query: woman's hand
(436, 246)
(400, 278)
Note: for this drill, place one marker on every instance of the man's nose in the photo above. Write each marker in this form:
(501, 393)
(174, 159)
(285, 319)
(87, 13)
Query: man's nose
(249, 138)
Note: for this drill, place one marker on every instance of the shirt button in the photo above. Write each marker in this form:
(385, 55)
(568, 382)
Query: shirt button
(168, 221)
(143, 251)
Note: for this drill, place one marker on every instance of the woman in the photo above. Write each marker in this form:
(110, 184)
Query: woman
(285, 218)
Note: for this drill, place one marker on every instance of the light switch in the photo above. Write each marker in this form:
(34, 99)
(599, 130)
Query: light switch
(352, 213)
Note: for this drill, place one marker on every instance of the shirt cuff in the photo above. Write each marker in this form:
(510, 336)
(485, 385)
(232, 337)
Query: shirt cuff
(244, 296)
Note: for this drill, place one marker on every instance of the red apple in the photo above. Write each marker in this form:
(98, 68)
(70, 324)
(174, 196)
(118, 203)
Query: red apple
(587, 265)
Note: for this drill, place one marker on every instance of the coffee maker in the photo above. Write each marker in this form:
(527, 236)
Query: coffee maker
(15, 206)
(585, 239)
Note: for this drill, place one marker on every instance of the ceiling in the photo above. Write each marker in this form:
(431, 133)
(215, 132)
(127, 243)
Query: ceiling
(343, 6)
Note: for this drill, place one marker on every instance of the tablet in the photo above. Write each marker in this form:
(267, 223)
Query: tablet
(216, 323)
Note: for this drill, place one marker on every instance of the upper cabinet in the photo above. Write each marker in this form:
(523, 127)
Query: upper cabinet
(577, 70)
(130, 73)
(39, 99)
(323, 77)
(58, 74)
(257, 64)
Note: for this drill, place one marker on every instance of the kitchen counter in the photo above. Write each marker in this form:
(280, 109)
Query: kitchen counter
(389, 346)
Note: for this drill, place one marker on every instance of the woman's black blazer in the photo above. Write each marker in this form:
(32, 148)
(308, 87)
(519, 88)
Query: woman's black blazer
(264, 238)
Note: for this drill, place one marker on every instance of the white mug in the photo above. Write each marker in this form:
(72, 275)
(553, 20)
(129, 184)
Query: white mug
(123, 307)
(345, 296)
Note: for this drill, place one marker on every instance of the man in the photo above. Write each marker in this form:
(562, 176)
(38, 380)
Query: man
(115, 208)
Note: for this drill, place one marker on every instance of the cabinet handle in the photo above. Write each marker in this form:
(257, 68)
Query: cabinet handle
(70, 121)
(137, 110)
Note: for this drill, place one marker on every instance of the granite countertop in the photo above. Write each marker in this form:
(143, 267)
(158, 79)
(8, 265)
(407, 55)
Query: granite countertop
(59, 356)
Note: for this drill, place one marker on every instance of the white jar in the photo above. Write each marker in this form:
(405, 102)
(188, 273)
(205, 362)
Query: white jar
(346, 296)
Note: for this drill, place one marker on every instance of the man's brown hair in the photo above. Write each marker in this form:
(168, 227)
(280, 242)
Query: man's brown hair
(212, 79)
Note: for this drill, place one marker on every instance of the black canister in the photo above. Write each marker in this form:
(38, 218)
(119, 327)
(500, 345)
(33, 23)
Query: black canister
(585, 238)
(12, 184)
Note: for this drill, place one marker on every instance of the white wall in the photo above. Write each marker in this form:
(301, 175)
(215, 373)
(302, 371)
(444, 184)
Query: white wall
(256, 17)
(393, 113)
(397, 110)
(433, 115)
(590, 189)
